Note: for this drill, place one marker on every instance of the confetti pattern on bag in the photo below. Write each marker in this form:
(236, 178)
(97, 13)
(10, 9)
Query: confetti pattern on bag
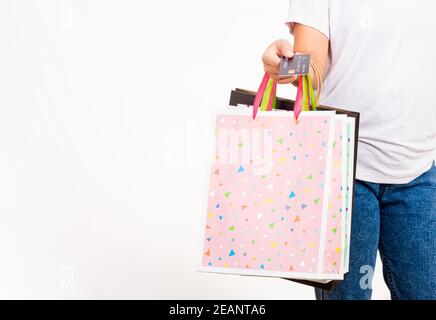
(267, 191)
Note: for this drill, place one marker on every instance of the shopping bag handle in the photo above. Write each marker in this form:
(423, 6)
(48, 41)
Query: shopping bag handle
(306, 99)
(265, 96)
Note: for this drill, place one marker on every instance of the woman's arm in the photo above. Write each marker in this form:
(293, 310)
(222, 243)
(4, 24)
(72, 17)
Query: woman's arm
(306, 40)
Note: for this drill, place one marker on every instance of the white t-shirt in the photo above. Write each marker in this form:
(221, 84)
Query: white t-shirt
(383, 65)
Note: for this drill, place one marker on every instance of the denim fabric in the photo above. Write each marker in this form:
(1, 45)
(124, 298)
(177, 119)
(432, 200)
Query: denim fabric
(399, 221)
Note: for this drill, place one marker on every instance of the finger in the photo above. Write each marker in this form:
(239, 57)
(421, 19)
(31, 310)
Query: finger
(281, 80)
(284, 48)
(275, 76)
(270, 58)
(272, 70)
(286, 80)
(279, 49)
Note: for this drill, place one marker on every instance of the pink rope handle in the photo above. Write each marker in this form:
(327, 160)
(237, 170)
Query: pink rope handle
(259, 94)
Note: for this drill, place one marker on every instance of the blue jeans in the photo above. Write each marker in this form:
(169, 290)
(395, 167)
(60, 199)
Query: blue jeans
(399, 221)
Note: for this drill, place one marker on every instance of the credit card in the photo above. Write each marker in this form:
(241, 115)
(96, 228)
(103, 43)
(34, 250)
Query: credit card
(299, 64)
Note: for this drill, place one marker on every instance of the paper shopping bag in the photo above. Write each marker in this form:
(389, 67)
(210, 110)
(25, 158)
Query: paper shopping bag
(269, 194)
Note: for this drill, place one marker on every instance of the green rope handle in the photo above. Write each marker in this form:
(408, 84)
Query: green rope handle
(313, 102)
(305, 102)
(267, 95)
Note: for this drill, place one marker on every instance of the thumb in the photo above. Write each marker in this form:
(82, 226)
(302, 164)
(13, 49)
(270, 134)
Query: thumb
(285, 48)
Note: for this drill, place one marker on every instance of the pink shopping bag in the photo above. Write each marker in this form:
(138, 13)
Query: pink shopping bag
(267, 206)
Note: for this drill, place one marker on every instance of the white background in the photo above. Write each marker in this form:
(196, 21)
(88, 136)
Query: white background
(104, 110)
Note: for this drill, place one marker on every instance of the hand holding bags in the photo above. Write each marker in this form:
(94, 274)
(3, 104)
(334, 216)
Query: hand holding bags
(280, 191)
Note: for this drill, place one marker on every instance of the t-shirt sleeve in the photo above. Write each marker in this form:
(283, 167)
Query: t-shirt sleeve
(311, 13)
